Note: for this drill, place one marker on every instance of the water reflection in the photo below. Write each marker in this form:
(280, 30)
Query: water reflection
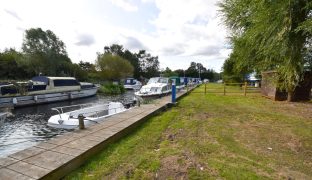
(28, 125)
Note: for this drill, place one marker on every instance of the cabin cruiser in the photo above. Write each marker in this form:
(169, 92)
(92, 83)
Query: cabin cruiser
(131, 83)
(177, 82)
(92, 114)
(44, 89)
(156, 86)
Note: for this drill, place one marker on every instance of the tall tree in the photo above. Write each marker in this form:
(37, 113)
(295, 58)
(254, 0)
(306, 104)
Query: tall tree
(270, 35)
(12, 65)
(113, 67)
(168, 72)
(149, 64)
(45, 52)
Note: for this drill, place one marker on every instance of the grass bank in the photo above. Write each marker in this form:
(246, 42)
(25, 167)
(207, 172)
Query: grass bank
(213, 136)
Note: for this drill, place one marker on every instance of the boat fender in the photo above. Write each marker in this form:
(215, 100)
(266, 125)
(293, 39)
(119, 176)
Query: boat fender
(36, 98)
(60, 121)
(70, 95)
(14, 101)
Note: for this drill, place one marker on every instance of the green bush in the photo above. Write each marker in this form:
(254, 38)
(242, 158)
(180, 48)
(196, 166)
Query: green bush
(111, 89)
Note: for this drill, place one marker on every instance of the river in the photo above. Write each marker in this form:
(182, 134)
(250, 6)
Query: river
(28, 125)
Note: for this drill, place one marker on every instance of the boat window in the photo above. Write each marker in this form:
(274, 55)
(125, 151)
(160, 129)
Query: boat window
(153, 80)
(10, 89)
(37, 87)
(130, 81)
(163, 80)
(66, 82)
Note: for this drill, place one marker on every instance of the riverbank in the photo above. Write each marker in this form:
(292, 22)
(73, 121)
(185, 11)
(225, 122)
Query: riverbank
(213, 136)
(55, 158)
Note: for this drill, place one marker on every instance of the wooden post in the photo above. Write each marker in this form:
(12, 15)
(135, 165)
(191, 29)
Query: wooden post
(81, 121)
(205, 87)
(224, 88)
(245, 89)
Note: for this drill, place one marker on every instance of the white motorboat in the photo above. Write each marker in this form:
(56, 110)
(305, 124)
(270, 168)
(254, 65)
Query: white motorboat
(156, 86)
(131, 83)
(43, 89)
(92, 113)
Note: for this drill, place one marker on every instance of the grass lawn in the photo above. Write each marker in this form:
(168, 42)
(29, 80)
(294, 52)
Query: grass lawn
(213, 136)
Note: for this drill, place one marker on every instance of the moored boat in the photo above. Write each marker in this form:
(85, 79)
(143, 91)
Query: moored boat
(92, 114)
(133, 84)
(156, 86)
(177, 82)
(44, 89)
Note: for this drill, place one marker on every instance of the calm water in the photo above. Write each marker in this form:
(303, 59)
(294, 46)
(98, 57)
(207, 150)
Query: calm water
(28, 125)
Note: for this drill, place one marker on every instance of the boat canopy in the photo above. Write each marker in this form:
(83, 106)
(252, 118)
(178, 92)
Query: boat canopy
(130, 81)
(176, 80)
(58, 81)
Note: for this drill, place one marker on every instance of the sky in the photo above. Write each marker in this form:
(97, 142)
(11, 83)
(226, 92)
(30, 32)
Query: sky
(177, 31)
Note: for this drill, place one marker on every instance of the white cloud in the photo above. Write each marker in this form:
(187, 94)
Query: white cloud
(85, 40)
(189, 29)
(179, 31)
(126, 5)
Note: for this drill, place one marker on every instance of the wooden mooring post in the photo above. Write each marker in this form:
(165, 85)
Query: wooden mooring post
(81, 121)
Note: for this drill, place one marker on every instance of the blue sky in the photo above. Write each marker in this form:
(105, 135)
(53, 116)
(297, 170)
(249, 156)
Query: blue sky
(178, 31)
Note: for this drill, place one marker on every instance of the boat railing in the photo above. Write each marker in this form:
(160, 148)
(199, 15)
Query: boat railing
(93, 109)
(60, 109)
(96, 112)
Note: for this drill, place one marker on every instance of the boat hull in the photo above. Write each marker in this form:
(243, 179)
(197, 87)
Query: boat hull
(132, 87)
(19, 101)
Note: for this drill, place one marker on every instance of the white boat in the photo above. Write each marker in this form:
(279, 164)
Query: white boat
(92, 113)
(43, 89)
(131, 83)
(156, 86)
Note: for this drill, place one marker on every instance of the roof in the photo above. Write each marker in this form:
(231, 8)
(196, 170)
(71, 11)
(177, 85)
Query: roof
(45, 79)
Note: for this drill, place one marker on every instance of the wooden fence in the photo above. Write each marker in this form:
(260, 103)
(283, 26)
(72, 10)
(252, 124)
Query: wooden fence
(228, 88)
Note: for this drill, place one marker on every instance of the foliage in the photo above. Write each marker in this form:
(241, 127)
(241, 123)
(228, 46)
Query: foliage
(110, 88)
(87, 67)
(168, 72)
(144, 64)
(113, 67)
(270, 35)
(231, 74)
(149, 64)
(45, 53)
(12, 65)
(198, 70)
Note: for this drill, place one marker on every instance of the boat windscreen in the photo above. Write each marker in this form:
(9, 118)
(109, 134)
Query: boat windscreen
(163, 80)
(153, 80)
(130, 81)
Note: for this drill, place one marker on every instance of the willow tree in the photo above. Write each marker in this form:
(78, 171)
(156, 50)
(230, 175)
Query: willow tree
(270, 35)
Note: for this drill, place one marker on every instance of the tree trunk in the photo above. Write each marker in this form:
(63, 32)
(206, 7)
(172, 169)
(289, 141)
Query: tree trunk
(290, 96)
